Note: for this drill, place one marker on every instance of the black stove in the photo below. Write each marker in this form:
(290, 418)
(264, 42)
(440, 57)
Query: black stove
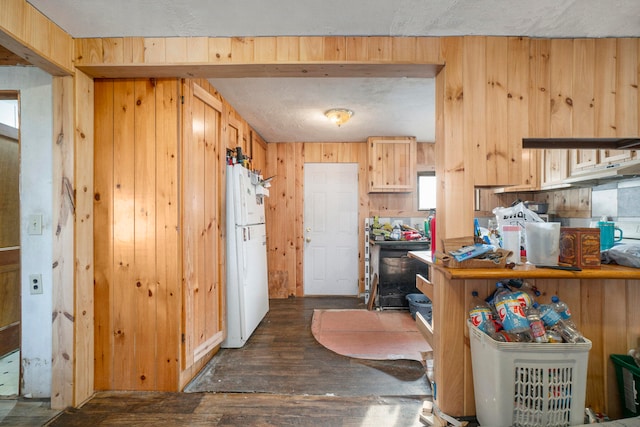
(397, 272)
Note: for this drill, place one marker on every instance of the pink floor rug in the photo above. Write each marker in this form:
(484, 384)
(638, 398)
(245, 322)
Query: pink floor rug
(374, 335)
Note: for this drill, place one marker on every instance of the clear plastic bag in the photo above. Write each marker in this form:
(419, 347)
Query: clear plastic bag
(518, 215)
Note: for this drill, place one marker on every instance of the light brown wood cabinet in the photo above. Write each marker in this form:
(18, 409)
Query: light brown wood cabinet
(554, 168)
(608, 157)
(392, 164)
(581, 160)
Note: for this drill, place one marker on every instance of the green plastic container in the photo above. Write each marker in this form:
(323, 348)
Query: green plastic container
(628, 374)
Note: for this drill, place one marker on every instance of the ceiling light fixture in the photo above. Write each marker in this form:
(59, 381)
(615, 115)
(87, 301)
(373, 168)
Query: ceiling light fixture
(339, 116)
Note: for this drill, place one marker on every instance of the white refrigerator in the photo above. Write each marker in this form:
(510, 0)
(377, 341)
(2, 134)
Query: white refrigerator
(247, 287)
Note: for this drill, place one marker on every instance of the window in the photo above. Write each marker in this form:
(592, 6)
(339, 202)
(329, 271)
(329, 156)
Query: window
(9, 112)
(426, 191)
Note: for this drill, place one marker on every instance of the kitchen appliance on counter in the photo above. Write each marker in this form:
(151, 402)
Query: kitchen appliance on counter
(247, 286)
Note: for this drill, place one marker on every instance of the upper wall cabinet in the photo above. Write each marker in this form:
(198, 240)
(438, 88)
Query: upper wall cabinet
(392, 164)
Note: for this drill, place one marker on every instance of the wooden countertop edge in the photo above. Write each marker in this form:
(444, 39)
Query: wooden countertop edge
(527, 271)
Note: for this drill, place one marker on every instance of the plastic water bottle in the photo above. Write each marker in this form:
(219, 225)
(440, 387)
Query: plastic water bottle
(480, 314)
(554, 322)
(536, 324)
(562, 309)
(512, 316)
(500, 288)
(527, 293)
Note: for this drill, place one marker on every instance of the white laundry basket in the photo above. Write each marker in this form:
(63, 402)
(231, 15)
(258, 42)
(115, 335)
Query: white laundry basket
(528, 384)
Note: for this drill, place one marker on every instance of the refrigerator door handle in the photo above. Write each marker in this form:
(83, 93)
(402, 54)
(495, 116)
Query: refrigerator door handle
(244, 252)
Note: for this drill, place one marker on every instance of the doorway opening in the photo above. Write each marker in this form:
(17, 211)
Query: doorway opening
(10, 287)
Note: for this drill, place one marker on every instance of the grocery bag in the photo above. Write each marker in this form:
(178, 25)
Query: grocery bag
(518, 215)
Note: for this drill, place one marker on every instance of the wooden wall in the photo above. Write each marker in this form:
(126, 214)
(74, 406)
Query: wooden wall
(285, 207)
(132, 303)
(564, 203)
(553, 87)
(159, 229)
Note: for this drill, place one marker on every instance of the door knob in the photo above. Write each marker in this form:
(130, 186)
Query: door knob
(308, 229)
(308, 239)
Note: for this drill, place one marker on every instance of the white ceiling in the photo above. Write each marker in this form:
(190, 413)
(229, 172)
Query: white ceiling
(290, 109)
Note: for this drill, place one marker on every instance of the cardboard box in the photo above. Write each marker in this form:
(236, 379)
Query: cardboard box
(498, 259)
(580, 247)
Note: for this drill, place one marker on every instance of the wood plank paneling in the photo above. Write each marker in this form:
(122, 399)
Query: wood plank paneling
(169, 283)
(189, 236)
(113, 49)
(455, 182)
(518, 76)
(283, 219)
(583, 99)
(83, 240)
(155, 50)
(497, 147)
(561, 109)
(124, 324)
(64, 260)
(144, 280)
(141, 188)
(103, 233)
(627, 87)
(198, 201)
(211, 224)
(474, 108)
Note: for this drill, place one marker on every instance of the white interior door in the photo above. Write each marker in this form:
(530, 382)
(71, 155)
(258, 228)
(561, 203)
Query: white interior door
(331, 229)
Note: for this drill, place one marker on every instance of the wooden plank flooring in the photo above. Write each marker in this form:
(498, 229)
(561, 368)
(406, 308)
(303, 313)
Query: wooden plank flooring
(282, 377)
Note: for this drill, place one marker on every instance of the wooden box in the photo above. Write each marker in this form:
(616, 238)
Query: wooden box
(499, 258)
(580, 247)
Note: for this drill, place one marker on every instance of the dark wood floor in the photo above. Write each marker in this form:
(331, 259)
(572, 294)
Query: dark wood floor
(281, 377)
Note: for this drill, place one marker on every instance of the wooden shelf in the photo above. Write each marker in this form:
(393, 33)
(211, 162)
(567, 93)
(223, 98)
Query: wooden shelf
(425, 328)
(424, 286)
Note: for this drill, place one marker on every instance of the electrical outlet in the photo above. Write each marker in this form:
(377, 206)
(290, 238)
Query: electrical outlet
(35, 283)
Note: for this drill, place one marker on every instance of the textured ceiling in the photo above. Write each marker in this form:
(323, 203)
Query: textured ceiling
(287, 109)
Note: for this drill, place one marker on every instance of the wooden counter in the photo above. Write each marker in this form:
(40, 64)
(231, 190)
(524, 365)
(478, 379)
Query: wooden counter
(528, 271)
(604, 303)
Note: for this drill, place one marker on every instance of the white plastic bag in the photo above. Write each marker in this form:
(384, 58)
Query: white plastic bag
(516, 215)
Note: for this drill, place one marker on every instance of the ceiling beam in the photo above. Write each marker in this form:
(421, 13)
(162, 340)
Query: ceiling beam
(262, 70)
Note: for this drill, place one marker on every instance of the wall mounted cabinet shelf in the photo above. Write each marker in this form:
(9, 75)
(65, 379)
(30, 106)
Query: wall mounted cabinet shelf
(392, 164)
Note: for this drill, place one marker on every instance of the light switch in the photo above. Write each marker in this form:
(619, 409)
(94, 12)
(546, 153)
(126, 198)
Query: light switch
(35, 224)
